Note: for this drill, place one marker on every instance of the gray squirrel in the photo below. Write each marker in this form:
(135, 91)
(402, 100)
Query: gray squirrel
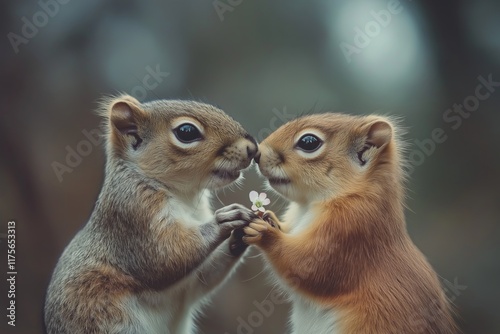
(153, 249)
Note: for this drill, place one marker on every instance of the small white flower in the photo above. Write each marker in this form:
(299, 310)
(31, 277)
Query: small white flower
(258, 201)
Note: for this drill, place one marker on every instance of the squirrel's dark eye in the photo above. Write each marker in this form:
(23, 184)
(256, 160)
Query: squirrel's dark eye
(187, 133)
(309, 143)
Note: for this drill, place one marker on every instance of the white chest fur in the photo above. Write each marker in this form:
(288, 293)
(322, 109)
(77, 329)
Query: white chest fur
(166, 312)
(190, 213)
(298, 217)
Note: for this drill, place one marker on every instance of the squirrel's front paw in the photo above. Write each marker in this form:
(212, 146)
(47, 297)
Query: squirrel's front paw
(260, 232)
(233, 216)
(236, 244)
(271, 219)
(260, 229)
(255, 231)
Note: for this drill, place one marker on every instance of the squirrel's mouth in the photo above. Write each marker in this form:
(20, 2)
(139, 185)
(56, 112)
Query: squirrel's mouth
(226, 174)
(278, 181)
(275, 176)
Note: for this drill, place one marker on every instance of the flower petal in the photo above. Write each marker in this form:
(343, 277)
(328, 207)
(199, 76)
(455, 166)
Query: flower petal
(262, 196)
(253, 195)
(262, 209)
(254, 208)
(266, 201)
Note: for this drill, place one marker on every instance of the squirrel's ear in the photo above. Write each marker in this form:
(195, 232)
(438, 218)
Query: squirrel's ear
(376, 134)
(125, 113)
(379, 133)
(125, 117)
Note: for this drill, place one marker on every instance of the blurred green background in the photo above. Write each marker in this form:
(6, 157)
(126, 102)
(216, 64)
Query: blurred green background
(262, 62)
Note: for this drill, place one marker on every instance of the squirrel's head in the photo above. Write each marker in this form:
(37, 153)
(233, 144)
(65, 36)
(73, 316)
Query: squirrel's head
(321, 156)
(185, 145)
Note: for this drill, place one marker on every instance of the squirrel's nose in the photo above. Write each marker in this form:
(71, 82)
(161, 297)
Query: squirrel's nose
(257, 157)
(252, 147)
(251, 151)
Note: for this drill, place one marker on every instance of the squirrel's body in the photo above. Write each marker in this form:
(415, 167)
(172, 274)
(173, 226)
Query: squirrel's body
(342, 251)
(153, 249)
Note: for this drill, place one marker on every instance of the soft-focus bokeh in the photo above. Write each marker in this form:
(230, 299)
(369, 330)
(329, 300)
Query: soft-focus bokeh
(262, 62)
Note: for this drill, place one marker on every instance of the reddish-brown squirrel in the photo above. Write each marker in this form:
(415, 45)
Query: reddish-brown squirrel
(342, 251)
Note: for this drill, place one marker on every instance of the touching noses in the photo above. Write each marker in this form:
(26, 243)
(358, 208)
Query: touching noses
(252, 147)
(257, 157)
